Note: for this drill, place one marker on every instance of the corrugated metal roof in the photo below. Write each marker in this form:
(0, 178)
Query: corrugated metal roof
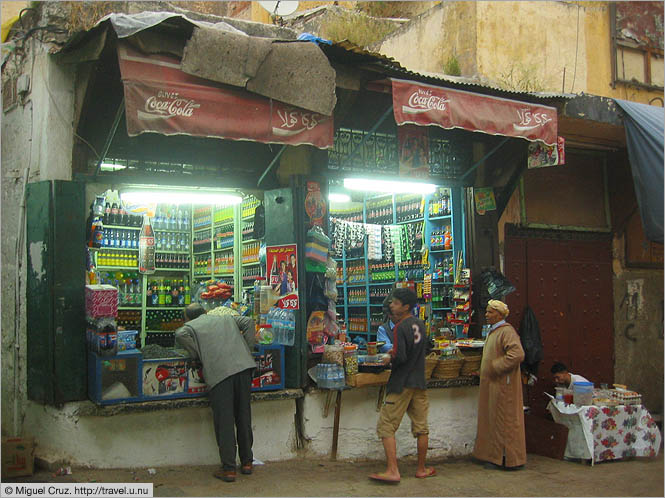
(347, 52)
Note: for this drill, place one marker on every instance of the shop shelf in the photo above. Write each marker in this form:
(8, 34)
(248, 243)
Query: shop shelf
(250, 240)
(441, 309)
(223, 223)
(224, 249)
(355, 259)
(440, 282)
(164, 307)
(135, 308)
(170, 230)
(113, 248)
(118, 268)
(168, 252)
(200, 229)
(411, 221)
(181, 270)
(440, 251)
(122, 227)
(356, 284)
(434, 218)
(253, 263)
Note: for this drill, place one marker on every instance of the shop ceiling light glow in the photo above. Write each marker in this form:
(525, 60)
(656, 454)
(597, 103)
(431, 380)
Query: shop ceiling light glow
(180, 196)
(337, 197)
(396, 187)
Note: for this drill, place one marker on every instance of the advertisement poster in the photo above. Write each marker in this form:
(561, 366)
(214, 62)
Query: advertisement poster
(413, 151)
(541, 155)
(315, 204)
(485, 201)
(283, 264)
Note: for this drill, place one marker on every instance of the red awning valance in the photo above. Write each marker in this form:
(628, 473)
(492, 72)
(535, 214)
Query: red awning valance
(427, 105)
(161, 98)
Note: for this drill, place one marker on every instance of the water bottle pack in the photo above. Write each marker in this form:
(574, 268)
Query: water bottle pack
(329, 376)
(283, 323)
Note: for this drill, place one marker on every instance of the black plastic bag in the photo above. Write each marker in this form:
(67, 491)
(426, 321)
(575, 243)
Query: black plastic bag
(259, 222)
(531, 342)
(496, 284)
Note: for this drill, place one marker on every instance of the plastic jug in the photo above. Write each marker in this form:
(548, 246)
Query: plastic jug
(583, 393)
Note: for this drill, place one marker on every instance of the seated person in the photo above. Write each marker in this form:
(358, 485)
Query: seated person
(563, 378)
(385, 330)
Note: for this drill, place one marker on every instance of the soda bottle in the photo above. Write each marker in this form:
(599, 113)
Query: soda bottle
(188, 297)
(107, 214)
(155, 293)
(114, 214)
(146, 247)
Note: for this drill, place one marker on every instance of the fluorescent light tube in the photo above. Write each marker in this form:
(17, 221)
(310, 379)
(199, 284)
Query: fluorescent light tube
(337, 197)
(396, 187)
(179, 197)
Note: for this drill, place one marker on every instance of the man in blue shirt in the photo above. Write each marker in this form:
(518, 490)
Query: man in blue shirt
(385, 330)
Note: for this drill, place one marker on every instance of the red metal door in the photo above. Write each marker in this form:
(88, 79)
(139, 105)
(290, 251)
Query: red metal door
(567, 282)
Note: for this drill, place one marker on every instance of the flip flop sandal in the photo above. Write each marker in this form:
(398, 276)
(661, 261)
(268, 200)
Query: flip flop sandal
(383, 478)
(431, 472)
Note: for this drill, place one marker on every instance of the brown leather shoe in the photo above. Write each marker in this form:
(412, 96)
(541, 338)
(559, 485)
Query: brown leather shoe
(247, 469)
(226, 475)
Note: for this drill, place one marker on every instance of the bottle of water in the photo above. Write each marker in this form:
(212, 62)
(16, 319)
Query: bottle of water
(290, 327)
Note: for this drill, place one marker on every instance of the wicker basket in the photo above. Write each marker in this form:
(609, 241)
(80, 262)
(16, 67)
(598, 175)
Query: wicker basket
(431, 361)
(448, 369)
(471, 364)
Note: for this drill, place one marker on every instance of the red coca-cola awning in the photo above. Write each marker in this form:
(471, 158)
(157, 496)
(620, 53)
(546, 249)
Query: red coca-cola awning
(161, 98)
(427, 105)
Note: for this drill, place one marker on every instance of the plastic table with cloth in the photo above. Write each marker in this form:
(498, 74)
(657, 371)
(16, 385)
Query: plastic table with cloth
(602, 433)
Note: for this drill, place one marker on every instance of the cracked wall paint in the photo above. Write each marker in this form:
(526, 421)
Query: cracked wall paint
(37, 263)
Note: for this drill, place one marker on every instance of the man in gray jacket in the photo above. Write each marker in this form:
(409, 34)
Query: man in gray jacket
(224, 346)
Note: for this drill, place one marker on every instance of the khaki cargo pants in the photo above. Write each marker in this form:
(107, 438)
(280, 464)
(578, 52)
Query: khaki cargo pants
(414, 402)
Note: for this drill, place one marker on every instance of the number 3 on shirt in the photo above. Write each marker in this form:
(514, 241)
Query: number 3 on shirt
(417, 336)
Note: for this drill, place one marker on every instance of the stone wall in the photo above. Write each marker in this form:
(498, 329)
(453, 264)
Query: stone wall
(638, 329)
(431, 39)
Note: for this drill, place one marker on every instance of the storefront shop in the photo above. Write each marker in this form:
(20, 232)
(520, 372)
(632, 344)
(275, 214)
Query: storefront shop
(147, 250)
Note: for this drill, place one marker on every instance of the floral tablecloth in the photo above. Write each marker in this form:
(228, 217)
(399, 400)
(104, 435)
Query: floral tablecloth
(601, 433)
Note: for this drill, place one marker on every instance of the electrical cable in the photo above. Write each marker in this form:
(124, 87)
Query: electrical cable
(577, 46)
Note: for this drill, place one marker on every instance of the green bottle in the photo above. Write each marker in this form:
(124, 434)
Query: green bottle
(168, 297)
(188, 297)
(162, 293)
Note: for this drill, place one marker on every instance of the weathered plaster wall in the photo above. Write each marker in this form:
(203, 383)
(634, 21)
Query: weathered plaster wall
(638, 326)
(452, 420)
(534, 40)
(183, 436)
(429, 40)
(37, 135)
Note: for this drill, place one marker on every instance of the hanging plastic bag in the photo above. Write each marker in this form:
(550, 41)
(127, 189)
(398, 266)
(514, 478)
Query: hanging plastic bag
(496, 284)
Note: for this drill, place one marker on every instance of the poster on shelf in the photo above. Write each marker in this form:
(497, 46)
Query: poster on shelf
(413, 151)
(283, 263)
(315, 204)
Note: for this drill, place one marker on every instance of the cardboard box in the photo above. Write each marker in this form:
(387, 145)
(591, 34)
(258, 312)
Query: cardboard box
(18, 456)
(101, 301)
(368, 379)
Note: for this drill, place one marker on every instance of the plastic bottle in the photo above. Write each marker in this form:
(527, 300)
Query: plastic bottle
(290, 327)
(146, 248)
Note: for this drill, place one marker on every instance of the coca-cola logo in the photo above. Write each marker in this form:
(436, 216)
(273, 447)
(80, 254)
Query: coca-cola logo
(423, 101)
(166, 105)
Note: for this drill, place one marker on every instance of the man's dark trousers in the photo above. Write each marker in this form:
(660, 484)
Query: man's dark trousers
(231, 413)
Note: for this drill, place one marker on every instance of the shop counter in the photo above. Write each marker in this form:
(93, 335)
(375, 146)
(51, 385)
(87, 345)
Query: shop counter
(601, 433)
(381, 380)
